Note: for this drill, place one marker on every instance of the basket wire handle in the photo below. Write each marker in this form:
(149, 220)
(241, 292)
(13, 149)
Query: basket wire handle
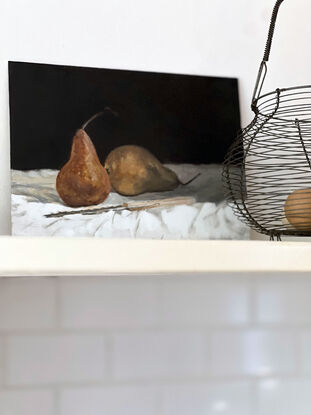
(263, 66)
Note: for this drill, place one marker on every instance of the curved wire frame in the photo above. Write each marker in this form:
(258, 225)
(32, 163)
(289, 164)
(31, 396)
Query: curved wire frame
(269, 161)
(267, 171)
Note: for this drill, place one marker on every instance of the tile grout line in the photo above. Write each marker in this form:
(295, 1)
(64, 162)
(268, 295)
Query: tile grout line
(108, 358)
(58, 304)
(208, 340)
(234, 328)
(2, 361)
(161, 381)
(299, 350)
(255, 401)
(252, 304)
(57, 400)
(5, 376)
(159, 403)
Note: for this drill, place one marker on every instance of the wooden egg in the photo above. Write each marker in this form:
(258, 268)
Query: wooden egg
(298, 209)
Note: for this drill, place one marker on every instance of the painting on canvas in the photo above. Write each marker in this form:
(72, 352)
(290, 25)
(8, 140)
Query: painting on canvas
(120, 154)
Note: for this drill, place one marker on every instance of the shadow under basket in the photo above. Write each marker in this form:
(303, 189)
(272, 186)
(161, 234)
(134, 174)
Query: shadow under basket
(267, 171)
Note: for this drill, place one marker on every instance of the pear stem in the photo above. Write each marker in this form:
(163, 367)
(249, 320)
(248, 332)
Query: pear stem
(191, 180)
(98, 114)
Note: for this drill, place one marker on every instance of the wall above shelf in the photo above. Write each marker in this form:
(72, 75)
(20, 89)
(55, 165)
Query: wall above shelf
(20, 256)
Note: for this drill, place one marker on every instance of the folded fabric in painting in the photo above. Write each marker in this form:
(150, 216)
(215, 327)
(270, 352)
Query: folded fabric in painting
(195, 211)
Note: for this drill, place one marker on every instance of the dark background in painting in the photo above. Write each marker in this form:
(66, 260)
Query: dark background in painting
(179, 118)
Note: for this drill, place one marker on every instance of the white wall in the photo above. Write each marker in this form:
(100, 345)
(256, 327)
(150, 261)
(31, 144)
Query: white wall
(207, 37)
(178, 345)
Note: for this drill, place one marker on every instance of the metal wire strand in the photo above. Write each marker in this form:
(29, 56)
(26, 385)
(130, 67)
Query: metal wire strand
(267, 171)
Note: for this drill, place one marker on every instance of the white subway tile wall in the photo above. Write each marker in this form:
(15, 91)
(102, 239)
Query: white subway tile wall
(208, 398)
(109, 304)
(159, 354)
(285, 397)
(284, 303)
(112, 400)
(53, 358)
(253, 352)
(199, 303)
(35, 402)
(156, 345)
(27, 304)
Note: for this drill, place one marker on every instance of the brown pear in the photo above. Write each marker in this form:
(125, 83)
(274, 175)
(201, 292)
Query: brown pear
(83, 181)
(134, 170)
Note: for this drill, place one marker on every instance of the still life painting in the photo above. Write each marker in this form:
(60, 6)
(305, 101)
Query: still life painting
(120, 154)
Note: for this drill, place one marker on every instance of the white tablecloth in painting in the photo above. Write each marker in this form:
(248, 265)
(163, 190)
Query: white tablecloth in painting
(34, 196)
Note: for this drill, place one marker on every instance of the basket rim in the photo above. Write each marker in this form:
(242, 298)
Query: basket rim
(275, 92)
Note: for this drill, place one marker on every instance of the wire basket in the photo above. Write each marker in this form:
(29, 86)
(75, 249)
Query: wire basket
(267, 171)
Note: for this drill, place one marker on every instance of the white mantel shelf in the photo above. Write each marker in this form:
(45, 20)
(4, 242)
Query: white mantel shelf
(21, 256)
